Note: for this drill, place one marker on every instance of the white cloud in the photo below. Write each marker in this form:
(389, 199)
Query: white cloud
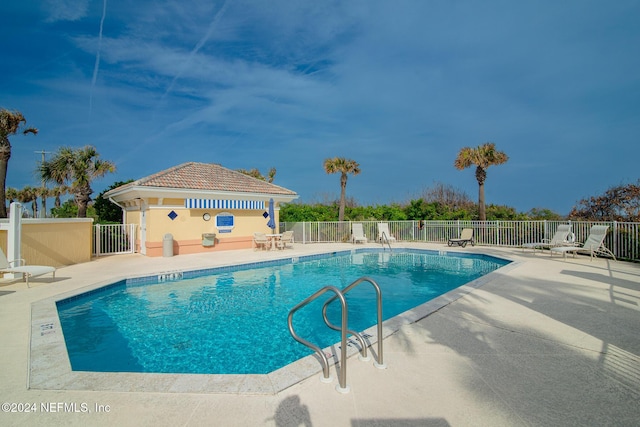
(66, 10)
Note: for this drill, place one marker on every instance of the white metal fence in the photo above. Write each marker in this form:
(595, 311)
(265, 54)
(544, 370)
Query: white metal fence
(623, 238)
(114, 239)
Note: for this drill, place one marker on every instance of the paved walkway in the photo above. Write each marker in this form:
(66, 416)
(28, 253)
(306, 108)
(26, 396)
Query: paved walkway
(545, 342)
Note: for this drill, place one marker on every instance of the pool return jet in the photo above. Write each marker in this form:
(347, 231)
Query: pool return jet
(342, 387)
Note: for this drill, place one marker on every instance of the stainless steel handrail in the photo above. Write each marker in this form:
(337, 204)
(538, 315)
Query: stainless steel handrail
(384, 236)
(342, 387)
(380, 362)
(363, 345)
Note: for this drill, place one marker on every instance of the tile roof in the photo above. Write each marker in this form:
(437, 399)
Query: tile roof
(208, 177)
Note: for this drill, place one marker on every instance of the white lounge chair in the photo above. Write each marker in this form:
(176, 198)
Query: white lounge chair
(465, 237)
(562, 237)
(593, 245)
(287, 237)
(357, 234)
(260, 241)
(19, 266)
(383, 230)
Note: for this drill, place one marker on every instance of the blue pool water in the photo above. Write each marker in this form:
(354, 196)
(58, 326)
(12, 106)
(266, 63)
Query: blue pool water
(234, 320)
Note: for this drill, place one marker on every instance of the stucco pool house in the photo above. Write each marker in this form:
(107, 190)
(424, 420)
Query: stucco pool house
(193, 201)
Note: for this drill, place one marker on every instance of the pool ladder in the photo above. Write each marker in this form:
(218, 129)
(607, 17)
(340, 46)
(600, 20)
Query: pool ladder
(342, 387)
(384, 237)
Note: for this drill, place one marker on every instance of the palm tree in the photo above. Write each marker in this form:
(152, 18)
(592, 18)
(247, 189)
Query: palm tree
(29, 194)
(11, 194)
(271, 175)
(10, 123)
(79, 167)
(483, 156)
(57, 192)
(344, 166)
(43, 193)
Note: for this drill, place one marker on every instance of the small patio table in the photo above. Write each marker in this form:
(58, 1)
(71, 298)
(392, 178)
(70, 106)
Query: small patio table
(273, 238)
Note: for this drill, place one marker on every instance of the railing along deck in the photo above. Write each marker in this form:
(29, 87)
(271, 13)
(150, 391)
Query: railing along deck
(623, 238)
(111, 239)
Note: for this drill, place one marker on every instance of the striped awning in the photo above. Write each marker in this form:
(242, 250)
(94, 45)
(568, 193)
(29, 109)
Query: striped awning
(223, 204)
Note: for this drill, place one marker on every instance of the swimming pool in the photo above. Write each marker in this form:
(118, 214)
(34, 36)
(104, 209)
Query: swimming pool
(232, 320)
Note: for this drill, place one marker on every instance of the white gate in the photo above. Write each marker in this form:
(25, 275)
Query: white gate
(111, 239)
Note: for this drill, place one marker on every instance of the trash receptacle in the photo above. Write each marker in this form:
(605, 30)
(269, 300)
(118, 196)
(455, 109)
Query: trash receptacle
(167, 245)
(208, 239)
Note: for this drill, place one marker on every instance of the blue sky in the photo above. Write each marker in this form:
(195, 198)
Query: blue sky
(398, 86)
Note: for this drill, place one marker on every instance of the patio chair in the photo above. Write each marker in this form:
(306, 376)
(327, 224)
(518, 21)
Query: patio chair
(357, 234)
(260, 241)
(593, 245)
(465, 237)
(562, 237)
(383, 230)
(19, 266)
(287, 237)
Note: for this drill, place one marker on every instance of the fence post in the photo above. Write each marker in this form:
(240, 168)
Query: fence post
(615, 238)
(132, 241)
(97, 238)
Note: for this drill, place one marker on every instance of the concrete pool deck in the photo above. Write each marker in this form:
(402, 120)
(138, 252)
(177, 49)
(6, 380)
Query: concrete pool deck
(545, 342)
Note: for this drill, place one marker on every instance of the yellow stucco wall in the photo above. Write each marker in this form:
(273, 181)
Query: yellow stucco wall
(189, 224)
(132, 217)
(55, 242)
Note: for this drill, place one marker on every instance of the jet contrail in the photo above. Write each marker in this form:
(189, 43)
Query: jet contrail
(197, 47)
(97, 65)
